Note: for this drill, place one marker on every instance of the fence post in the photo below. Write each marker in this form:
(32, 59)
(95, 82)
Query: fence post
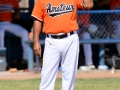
(3, 62)
(30, 57)
(101, 54)
(37, 63)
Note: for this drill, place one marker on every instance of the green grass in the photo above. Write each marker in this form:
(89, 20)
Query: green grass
(80, 84)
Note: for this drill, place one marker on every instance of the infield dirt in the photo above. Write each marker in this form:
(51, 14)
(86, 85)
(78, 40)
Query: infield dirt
(20, 75)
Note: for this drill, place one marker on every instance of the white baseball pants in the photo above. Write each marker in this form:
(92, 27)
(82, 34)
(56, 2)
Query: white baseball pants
(87, 49)
(65, 50)
(116, 26)
(18, 31)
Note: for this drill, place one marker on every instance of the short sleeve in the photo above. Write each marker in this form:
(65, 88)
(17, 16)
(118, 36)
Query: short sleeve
(37, 10)
(80, 4)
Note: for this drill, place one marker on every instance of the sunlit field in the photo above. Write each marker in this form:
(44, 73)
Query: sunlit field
(80, 84)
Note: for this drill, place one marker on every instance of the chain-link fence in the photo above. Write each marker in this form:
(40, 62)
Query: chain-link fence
(103, 26)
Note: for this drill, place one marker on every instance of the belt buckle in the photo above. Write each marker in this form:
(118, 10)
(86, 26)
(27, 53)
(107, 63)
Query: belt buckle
(58, 37)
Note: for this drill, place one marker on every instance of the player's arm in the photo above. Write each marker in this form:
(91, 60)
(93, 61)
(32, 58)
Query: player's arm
(37, 26)
(16, 14)
(87, 4)
(16, 10)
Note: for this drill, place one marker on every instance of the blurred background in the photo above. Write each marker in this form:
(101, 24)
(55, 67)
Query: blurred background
(99, 34)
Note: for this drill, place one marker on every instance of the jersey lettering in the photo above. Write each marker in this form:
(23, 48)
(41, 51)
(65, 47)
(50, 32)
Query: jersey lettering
(5, 7)
(59, 10)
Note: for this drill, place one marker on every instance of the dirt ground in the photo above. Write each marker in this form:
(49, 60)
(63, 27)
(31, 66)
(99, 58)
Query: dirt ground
(20, 75)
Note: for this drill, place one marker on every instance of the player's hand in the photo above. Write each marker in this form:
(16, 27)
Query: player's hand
(37, 49)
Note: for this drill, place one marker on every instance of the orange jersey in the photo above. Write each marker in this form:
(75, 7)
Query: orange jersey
(114, 4)
(59, 16)
(6, 9)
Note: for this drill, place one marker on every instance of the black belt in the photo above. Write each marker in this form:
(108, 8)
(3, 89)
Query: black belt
(59, 36)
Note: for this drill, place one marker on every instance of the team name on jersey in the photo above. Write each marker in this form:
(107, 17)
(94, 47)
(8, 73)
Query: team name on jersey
(59, 10)
(5, 7)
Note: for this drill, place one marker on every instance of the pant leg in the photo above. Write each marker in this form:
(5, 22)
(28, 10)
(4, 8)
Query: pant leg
(118, 48)
(69, 61)
(2, 34)
(51, 59)
(20, 32)
(87, 49)
(116, 26)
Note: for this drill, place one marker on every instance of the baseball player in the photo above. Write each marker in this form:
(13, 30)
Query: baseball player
(61, 42)
(115, 5)
(84, 22)
(9, 9)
